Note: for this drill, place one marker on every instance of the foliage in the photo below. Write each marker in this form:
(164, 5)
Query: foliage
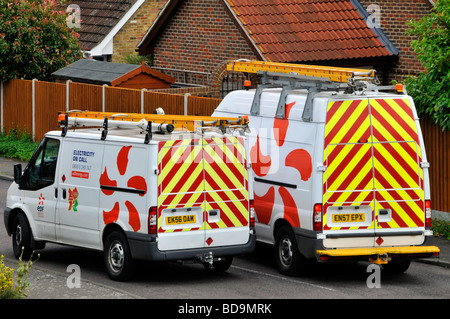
(35, 39)
(441, 228)
(19, 290)
(17, 144)
(431, 89)
(137, 59)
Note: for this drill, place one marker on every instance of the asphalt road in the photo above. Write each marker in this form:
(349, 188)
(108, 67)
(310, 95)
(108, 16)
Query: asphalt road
(250, 277)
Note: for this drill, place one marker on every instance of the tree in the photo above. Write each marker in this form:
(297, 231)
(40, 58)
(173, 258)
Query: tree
(35, 39)
(431, 89)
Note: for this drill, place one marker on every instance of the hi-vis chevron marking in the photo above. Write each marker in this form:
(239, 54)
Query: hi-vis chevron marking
(210, 173)
(372, 155)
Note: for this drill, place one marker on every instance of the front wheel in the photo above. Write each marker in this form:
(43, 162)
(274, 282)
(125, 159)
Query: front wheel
(21, 237)
(117, 257)
(289, 260)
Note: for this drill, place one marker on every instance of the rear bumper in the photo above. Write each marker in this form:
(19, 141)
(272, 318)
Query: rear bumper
(378, 255)
(145, 247)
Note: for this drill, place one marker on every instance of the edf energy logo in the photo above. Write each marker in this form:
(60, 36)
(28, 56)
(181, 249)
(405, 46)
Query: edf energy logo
(40, 206)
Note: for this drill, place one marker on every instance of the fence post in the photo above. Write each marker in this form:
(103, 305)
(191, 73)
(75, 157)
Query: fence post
(1, 105)
(186, 99)
(142, 100)
(68, 95)
(33, 108)
(104, 97)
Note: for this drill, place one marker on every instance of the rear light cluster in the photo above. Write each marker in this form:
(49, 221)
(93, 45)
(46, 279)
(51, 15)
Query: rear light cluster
(252, 213)
(317, 217)
(427, 213)
(152, 220)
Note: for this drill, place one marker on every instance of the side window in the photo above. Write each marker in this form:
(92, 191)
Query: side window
(41, 170)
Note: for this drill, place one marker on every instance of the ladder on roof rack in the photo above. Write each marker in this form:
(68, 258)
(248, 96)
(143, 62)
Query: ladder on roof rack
(150, 123)
(299, 76)
(303, 71)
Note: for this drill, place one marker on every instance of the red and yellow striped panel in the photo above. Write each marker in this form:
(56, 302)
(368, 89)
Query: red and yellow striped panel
(398, 177)
(372, 154)
(226, 181)
(210, 173)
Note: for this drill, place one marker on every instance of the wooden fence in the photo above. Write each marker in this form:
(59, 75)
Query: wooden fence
(437, 145)
(34, 106)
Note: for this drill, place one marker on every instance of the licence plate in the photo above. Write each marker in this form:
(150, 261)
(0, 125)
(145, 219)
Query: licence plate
(348, 218)
(178, 220)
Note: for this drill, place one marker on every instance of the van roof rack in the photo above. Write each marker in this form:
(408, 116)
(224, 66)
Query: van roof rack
(303, 71)
(313, 78)
(149, 123)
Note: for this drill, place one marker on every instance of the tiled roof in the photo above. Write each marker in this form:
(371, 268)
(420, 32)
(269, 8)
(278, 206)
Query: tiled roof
(98, 17)
(307, 30)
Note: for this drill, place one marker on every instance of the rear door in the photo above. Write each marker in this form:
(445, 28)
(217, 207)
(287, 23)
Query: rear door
(226, 192)
(373, 183)
(202, 193)
(398, 177)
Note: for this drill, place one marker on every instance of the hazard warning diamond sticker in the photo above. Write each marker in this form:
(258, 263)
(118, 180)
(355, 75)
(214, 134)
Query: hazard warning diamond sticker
(379, 241)
(209, 241)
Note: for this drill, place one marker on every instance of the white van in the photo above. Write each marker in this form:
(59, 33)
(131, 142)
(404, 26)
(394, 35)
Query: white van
(336, 175)
(165, 195)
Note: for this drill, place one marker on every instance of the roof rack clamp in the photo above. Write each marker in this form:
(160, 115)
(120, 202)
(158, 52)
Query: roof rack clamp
(307, 115)
(105, 129)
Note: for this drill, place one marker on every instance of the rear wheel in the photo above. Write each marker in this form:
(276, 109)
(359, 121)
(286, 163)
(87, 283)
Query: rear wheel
(397, 266)
(289, 260)
(221, 265)
(117, 257)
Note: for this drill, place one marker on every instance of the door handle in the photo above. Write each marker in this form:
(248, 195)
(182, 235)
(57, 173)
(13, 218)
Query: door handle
(64, 194)
(213, 212)
(56, 192)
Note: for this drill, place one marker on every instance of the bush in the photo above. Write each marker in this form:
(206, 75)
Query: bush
(431, 89)
(35, 40)
(19, 290)
(17, 144)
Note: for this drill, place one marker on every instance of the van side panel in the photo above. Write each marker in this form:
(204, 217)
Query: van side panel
(77, 221)
(124, 186)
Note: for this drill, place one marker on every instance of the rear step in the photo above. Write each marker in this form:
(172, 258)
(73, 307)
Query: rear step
(379, 255)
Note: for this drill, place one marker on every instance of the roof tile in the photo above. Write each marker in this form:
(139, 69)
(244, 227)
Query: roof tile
(306, 30)
(98, 17)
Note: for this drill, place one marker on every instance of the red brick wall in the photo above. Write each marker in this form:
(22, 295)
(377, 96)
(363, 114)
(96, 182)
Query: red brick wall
(394, 15)
(199, 37)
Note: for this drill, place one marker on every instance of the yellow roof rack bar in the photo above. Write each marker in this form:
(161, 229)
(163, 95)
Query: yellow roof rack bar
(327, 73)
(180, 122)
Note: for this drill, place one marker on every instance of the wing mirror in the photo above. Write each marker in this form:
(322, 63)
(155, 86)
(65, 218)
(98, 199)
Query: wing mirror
(17, 173)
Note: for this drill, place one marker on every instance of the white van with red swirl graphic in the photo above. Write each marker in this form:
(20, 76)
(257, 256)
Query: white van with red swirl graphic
(340, 170)
(137, 189)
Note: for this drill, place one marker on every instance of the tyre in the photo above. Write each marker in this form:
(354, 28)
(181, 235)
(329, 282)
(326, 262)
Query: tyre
(398, 266)
(221, 265)
(289, 260)
(21, 237)
(117, 257)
